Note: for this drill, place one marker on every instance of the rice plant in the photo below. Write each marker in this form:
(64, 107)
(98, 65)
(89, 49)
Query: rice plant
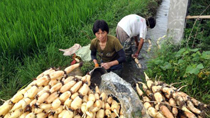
(28, 25)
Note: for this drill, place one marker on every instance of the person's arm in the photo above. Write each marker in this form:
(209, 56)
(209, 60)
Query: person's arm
(93, 56)
(136, 40)
(141, 42)
(121, 59)
(142, 34)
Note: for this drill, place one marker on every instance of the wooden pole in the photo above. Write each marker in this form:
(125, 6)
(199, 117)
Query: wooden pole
(199, 17)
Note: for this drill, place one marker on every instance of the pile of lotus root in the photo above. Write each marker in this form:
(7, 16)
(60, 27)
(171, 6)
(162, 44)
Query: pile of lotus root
(165, 101)
(55, 94)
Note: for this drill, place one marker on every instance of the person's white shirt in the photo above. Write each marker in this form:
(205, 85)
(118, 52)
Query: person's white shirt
(134, 25)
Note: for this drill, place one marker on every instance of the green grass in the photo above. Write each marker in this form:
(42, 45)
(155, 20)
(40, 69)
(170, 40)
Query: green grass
(28, 25)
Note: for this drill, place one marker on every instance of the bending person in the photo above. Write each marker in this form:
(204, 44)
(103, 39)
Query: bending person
(133, 26)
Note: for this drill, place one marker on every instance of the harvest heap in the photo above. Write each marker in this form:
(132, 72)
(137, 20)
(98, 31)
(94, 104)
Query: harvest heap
(54, 94)
(165, 101)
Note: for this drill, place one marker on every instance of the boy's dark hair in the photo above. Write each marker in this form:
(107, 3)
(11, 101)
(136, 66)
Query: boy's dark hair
(151, 22)
(100, 24)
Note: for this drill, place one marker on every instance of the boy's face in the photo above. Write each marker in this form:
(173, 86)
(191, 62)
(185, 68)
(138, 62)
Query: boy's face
(101, 35)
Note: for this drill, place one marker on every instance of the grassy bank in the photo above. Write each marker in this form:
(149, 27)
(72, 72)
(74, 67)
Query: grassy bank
(33, 31)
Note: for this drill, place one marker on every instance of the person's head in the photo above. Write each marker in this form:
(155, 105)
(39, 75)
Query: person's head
(100, 30)
(100, 24)
(151, 22)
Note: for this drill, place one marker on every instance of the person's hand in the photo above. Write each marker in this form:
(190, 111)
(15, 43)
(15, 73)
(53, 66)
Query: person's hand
(96, 65)
(135, 55)
(105, 65)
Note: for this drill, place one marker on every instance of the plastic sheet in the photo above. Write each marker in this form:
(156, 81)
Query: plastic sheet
(84, 53)
(71, 50)
(132, 106)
